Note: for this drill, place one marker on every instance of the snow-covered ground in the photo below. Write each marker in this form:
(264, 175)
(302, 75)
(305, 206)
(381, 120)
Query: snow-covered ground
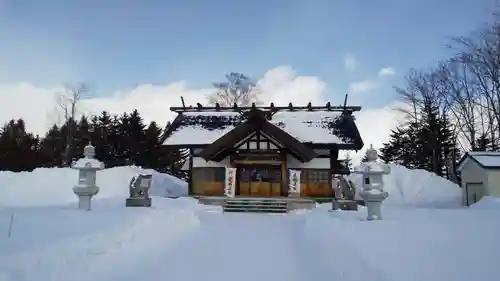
(425, 235)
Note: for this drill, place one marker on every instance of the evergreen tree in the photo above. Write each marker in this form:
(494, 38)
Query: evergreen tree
(81, 137)
(100, 137)
(423, 144)
(19, 150)
(52, 148)
(136, 138)
(151, 156)
(364, 159)
(483, 143)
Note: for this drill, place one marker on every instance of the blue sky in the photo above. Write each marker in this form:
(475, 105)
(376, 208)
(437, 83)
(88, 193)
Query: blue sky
(115, 45)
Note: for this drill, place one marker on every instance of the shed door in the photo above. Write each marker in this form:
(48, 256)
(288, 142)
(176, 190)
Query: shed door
(473, 192)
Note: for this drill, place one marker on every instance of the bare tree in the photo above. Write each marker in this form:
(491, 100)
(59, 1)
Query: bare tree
(457, 90)
(239, 89)
(67, 101)
(481, 53)
(421, 92)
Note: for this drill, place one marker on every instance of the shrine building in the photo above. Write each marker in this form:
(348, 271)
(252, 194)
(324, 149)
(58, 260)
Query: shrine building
(264, 145)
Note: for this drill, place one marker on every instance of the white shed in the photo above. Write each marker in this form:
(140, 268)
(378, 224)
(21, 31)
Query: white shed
(480, 175)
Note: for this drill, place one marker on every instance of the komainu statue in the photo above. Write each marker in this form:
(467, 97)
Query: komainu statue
(139, 191)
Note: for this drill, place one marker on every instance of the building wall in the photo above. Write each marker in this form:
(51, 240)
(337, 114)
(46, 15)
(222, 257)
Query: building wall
(208, 177)
(493, 183)
(316, 163)
(199, 162)
(474, 182)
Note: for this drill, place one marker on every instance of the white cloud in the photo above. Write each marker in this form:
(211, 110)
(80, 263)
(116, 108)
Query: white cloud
(350, 62)
(37, 106)
(375, 125)
(371, 83)
(281, 85)
(387, 71)
(363, 86)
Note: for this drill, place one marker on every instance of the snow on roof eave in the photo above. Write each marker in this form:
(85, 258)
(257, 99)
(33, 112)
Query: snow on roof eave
(211, 113)
(487, 160)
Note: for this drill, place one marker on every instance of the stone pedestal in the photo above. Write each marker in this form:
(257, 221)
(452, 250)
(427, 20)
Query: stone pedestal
(346, 205)
(373, 202)
(139, 191)
(138, 202)
(85, 195)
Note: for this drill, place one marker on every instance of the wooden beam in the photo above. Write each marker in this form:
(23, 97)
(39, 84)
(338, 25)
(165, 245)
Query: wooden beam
(253, 162)
(334, 154)
(190, 172)
(264, 108)
(284, 174)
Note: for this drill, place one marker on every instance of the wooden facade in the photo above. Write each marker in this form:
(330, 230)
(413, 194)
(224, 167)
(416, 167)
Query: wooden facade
(263, 154)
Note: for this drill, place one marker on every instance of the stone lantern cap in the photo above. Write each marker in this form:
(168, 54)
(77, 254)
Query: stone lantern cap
(88, 162)
(372, 166)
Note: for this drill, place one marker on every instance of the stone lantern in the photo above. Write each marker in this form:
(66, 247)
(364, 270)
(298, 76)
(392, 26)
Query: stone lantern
(373, 184)
(87, 168)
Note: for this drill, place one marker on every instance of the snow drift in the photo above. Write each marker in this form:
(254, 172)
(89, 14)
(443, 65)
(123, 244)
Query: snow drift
(487, 202)
(112, 242)
(417, 188)
(53, 186)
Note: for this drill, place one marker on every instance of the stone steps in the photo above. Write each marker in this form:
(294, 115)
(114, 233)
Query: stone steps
(255, 205)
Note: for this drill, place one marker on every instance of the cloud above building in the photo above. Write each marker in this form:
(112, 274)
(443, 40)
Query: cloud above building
(281, 85)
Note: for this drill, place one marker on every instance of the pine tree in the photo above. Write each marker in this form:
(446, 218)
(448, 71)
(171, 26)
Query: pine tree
(100, 137)
(19, 150)
(136, 139)
(52, 148)
(151, 156)
(81, 137)
(364, 159)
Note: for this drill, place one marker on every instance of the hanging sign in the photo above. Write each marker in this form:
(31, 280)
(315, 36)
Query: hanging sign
(230, 184)
(294, 182)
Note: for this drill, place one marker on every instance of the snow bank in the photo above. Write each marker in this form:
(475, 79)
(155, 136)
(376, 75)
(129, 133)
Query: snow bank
(410, 244)
(53, 186)
(487, 202)
(417, 188)
(63, 243)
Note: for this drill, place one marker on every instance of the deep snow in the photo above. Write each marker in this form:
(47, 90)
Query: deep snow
(417, 188)
(178, 239)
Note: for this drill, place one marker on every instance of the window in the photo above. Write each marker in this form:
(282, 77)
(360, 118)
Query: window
(209, 174)
(260, 174)
(315, 175)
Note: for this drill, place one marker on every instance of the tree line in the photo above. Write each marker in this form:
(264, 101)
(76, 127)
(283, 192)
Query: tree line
(451, 107)
(119, 140)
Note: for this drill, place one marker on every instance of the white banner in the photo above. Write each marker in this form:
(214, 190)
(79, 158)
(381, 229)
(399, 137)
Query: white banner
(294, 181)
(336, 186)
(230, 184)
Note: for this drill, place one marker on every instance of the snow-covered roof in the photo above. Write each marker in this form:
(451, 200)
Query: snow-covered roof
(310, 126)
(88, 163)
(307, 126)
(485, 159)
(195, 128)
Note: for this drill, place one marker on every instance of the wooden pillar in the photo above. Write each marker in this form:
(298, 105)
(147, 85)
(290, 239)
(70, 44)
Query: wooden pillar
(190, 172)
(284, 174)
(334, 154)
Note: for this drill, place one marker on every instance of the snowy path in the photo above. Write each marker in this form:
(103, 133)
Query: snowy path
(226, 247)
(189, 243)
(100, 255)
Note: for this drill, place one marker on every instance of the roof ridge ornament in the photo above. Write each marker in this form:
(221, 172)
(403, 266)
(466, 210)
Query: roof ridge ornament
(272, 107)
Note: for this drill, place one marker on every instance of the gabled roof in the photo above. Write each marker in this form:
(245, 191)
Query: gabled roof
(310, 125)
(485, 159)
(256, 122)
